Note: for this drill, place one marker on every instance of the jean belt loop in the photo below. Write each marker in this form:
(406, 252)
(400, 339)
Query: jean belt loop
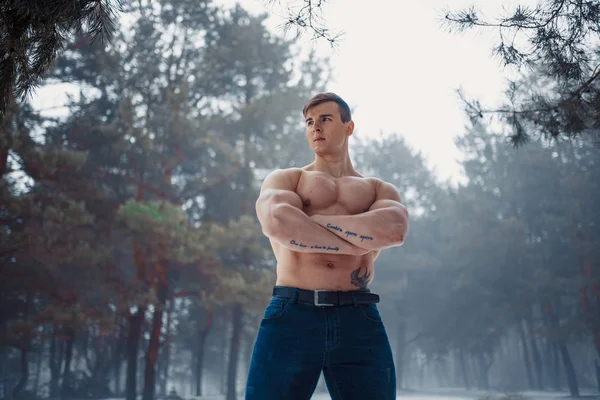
(354, 299)
(294, 298)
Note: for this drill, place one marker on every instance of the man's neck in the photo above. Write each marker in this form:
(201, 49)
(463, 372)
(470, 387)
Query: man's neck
(334, 165)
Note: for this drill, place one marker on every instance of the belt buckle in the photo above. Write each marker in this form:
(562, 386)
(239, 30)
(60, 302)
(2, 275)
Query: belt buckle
(316, 292)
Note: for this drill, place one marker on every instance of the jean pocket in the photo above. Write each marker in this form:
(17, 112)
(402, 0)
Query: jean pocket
(371, 313)
(275, 309)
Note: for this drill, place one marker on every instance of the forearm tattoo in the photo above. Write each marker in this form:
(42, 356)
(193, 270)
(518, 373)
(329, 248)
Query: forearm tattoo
(314, 246)
(348, 233)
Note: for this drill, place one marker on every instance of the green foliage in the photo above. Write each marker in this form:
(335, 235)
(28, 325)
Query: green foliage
(142, 196)
(164, 228)
(149, 181)
(156, 212)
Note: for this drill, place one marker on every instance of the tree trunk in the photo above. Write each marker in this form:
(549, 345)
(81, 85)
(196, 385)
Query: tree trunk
(569, 370)
(3, 392)
(437, 371)
(38, 367)
(136, 321)
(556, 366)
(133, 340)
(22, 383)
(224, 350)
(526, 356)
(484, 368)
(66, 383)
(154, 345)
(400, 350)
(234, 351)
(597, 370)
(167, 350)
(117, 375)
(553, 350)
(54, 366)
(24, 372)
(537, 359)
(463, 368)
(249, 348)
(119, 350)
(104, 364)
(152, 355)
(562, 346)
(200, 350)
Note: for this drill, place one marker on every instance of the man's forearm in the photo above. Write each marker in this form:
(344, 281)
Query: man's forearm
(372, 230)
(293, 229)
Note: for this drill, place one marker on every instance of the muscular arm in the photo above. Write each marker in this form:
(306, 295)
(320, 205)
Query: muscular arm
(279, 210)
(384, 225)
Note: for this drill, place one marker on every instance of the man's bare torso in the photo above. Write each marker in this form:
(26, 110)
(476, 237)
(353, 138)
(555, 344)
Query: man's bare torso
(323, 194)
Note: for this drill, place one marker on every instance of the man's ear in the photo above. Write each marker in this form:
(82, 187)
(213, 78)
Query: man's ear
(350, 128)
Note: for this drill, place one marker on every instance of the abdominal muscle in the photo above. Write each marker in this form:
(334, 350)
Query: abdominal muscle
(314, 271)
(320, 271)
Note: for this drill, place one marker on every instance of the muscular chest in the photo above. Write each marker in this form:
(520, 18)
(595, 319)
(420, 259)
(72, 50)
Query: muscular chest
(322, 194)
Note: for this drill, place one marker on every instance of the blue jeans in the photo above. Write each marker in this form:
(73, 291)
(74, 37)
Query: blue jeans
(297, 341)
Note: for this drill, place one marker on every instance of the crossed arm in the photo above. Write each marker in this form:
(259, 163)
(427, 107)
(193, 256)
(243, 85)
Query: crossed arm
(384, 225)
(279, 210)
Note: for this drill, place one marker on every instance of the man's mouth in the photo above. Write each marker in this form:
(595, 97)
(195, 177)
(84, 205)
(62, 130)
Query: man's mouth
(319, 139)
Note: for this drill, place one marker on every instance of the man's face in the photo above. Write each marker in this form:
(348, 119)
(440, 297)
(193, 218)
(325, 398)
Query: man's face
(325, 131)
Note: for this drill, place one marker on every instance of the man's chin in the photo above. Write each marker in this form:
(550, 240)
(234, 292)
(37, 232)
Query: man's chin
(321, 151)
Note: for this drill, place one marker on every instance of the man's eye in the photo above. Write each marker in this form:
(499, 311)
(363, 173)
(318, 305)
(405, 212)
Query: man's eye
(309, 123)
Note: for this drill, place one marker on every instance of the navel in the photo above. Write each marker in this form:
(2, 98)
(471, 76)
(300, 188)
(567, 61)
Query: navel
(330, 265)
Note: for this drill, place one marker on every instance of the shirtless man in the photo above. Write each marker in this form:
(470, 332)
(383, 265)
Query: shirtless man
(327, 224)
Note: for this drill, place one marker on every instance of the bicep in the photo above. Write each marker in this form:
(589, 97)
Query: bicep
(277, 189)
(386, 196)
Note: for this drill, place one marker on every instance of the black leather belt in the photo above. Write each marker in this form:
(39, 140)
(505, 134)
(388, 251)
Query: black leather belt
(327, 298)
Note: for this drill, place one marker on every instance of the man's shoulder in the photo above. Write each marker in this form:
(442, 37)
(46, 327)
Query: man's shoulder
(377, 182)
(283, 177)
(382, 187)
(291, 172)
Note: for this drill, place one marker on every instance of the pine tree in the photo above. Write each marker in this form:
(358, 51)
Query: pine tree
(32, 34)
(250, 68)
(131, 172)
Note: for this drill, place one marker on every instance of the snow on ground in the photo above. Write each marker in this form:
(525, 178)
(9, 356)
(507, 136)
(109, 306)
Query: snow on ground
(439, 394)
(325, 396)
(449, 394)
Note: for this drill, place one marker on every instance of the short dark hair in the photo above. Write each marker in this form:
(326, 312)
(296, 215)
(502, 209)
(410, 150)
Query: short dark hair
(321, 98)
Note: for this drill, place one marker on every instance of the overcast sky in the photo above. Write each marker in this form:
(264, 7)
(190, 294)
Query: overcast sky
(399, 68)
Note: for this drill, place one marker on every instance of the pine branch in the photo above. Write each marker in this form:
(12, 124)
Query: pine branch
(557, 35)
(520, 19)
(308, 17)
(559, 51)
(32, 34)
(573, 96)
